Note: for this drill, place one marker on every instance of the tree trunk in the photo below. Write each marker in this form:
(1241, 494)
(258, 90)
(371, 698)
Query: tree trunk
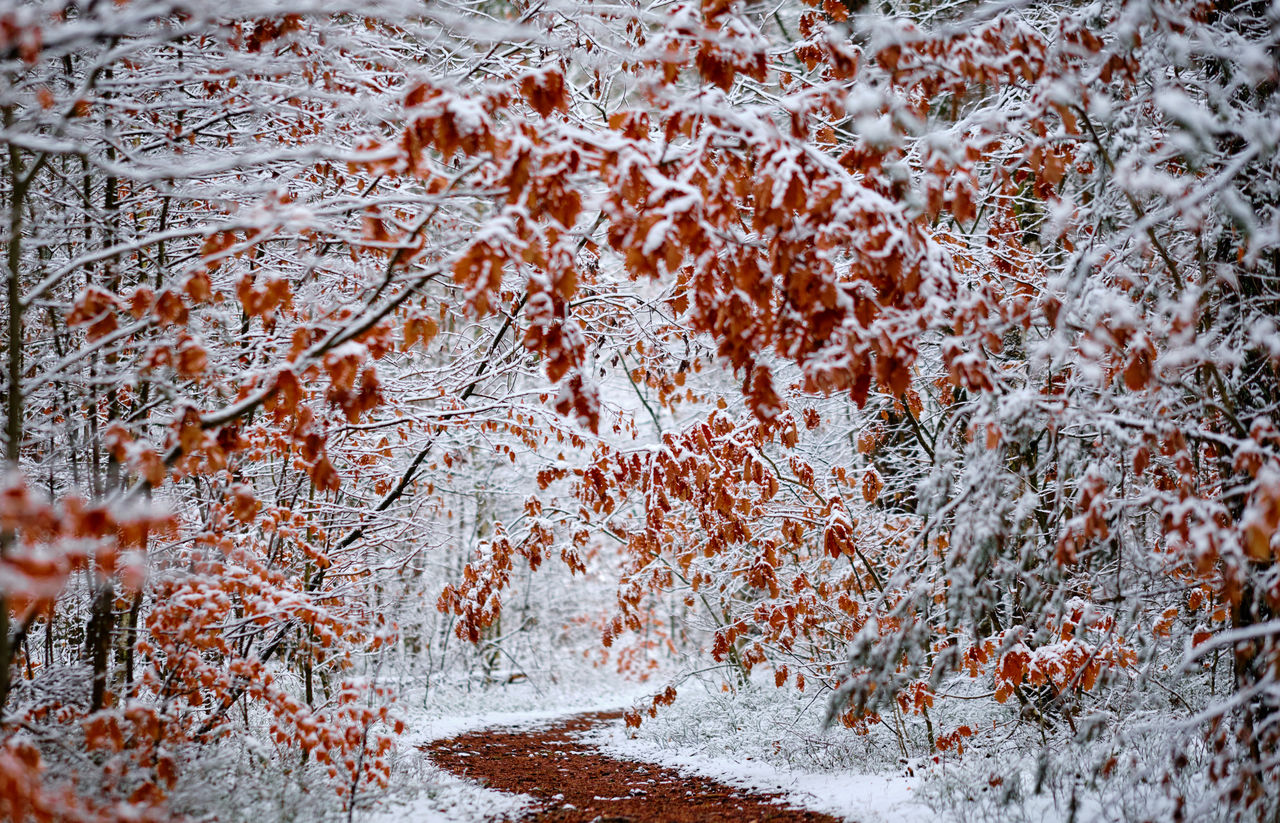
(98, 641)
(13, 410)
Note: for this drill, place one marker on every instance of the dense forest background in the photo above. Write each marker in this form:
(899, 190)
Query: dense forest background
(913, 361)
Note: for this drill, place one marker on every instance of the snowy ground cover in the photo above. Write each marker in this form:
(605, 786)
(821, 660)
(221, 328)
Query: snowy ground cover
(444, 798)
(753, 736)
(848, 794)
(422, 792)
(770, 742)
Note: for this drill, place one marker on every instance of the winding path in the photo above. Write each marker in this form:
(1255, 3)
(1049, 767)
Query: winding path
(574, 782)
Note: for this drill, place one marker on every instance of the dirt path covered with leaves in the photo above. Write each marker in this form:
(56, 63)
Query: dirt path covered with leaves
(575, 783)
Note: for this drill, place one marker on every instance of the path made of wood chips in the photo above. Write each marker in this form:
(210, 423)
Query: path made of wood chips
(573, 782)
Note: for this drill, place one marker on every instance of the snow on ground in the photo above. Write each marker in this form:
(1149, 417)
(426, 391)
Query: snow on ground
(868, 798)
(823, 773)
(448, 799)
(757, 736)
(422, 792)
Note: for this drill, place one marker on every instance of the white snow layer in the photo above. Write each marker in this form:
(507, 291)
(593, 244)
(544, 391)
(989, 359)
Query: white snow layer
(850, 795)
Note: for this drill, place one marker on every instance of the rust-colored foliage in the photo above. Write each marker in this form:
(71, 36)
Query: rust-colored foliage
(989, 300)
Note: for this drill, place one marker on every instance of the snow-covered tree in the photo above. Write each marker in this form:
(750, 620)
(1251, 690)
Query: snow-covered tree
(913, 351)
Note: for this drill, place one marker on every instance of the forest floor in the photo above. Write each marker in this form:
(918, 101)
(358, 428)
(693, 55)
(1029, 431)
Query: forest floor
(504, 754)
(572, 781)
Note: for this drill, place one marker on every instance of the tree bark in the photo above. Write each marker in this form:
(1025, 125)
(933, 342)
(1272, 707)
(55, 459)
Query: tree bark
(13, 388)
